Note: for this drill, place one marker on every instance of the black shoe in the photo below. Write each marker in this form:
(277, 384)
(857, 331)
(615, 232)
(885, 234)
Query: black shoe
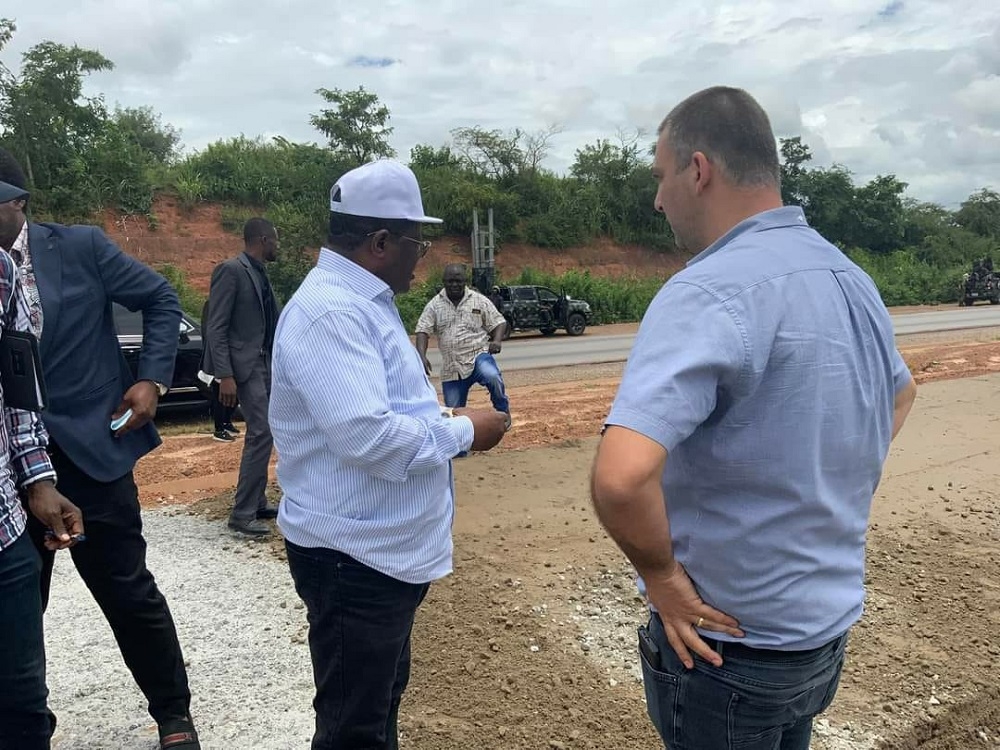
(178, 735)
(268, 511)
(223, 437)
(231, 429)
(252, 527)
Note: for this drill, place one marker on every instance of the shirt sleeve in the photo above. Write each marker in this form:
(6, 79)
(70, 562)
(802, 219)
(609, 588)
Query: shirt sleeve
(492, 316)
(337, 367)
(901, 374)
(689, 346)
(427, 322)
(27, 434)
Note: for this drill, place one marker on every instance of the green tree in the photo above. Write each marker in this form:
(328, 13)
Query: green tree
(44, 117)
(356, 126)
(491, 153)
(980, 213)
(794, 156)
(144, 127)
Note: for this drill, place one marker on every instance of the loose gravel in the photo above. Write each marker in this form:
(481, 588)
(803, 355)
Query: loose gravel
(241, 628)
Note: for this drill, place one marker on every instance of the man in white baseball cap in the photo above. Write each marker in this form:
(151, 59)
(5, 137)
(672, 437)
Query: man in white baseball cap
(364, 456)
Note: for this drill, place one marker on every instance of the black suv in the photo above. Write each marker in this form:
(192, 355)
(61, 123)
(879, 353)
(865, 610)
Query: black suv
(186, 391)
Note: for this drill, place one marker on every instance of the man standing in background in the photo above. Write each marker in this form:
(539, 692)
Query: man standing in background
(470, 331)
(242, 315)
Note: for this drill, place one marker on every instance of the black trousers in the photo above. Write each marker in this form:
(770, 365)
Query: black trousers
(112, 563)
(359, 640)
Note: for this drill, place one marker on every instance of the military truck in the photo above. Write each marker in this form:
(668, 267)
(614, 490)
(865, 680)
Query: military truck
(982, 283)
(527, 307)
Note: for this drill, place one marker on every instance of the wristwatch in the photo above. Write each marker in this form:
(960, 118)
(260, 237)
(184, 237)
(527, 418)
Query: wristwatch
(160, 388)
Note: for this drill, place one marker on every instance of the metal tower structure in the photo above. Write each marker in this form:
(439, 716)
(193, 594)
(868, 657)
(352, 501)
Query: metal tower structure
(483, 272)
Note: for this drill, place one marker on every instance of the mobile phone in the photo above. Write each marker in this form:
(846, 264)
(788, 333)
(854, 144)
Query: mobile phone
(117, 424)
(648, 648)
(74, 537)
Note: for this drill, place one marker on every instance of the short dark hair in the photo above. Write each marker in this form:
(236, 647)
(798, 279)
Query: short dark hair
(348, 231)
(731, 129)
(256, 227)
(10, 170)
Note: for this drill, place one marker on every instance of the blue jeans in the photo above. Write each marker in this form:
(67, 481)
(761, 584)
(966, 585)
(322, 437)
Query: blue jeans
(487, 374)
(359, 640)
(25, 720)
(758, 700)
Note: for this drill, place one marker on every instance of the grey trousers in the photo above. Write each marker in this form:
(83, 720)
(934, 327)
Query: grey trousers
(254, 395)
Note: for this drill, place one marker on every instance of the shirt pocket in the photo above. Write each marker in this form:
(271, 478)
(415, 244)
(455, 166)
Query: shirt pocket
(471, 321)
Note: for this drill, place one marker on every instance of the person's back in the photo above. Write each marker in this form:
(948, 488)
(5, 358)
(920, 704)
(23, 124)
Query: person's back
(769, 498)
(745, 442)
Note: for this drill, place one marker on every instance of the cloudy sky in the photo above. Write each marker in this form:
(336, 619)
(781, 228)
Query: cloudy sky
(904, 86)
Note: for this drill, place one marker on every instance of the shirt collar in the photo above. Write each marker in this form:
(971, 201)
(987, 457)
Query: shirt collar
(352, 276)
(21, 243)
(786, 216)
(446, 298)
(254, 262)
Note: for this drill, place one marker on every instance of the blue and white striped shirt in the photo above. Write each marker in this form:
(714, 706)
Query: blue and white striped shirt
(364, 453)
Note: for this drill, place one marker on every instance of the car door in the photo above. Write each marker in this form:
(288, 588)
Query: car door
(526, 306)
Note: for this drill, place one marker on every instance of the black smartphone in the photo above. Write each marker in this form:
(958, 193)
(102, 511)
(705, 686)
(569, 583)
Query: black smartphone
(648, 648)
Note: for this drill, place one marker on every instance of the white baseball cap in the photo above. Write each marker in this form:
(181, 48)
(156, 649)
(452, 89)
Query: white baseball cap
(383, 189)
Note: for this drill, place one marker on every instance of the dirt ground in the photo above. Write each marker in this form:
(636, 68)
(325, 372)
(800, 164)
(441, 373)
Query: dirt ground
(530, 644)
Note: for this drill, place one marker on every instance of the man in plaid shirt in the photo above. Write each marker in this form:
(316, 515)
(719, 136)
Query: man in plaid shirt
(25, 470)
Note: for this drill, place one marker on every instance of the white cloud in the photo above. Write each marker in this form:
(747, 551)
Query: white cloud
(903, 86)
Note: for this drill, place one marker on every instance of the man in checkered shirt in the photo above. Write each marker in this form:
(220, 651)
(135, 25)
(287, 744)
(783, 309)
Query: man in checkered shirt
(470, 330)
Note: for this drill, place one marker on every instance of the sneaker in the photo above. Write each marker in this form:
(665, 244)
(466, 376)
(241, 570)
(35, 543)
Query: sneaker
(508, 421)
(231, 428)
(252, 527)
(223, 437)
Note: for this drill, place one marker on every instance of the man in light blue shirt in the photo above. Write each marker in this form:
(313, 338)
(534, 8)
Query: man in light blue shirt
(364, 456)
(745, 443)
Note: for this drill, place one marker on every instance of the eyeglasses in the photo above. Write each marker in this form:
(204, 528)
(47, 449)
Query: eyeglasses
(423, 245)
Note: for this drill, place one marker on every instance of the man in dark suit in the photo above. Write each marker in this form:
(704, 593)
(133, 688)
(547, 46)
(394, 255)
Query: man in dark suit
(71, 276)
(242, 315)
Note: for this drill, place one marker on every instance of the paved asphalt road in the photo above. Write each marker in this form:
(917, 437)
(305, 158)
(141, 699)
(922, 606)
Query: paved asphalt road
(593, 348)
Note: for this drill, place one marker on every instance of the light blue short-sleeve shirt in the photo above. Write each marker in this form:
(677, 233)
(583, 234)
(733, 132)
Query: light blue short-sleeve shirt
(768, 370)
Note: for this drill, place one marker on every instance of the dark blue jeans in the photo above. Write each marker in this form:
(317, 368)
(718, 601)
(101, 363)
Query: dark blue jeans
(25, 720)
(359, 639)
(487, 374)
(757, 700)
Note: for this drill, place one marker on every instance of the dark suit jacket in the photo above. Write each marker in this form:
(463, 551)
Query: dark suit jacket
(79, 273)
(235, 328)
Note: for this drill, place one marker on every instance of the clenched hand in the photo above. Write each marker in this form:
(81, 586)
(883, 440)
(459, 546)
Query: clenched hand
(55, 512)
(142, 398)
